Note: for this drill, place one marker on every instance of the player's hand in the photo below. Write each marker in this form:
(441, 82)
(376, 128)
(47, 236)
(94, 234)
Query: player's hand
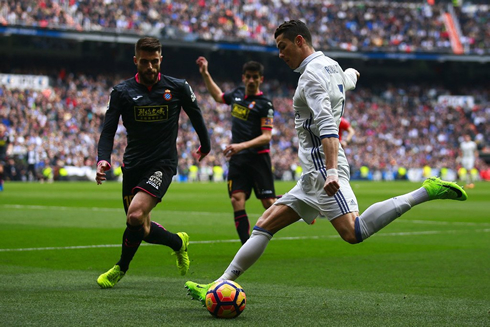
(200, 155)
(331, 185)
(102, 167)
(358, 75)
(203, 64)
(232, 149)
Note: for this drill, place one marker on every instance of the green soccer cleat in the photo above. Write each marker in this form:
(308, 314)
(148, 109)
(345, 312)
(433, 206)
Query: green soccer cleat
(110, 278)
(183, 261)
(197, 291)
(438, 189)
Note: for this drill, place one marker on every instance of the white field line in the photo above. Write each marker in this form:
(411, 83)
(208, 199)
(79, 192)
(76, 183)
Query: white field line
(60, 208)
(203, 213)
(291, 238)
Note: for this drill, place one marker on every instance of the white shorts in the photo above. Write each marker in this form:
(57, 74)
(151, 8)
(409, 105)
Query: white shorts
(468, 163)
(309, 199)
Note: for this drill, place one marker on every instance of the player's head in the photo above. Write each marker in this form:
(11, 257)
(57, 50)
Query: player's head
(293, 39)
(147, 58)
(252, 77)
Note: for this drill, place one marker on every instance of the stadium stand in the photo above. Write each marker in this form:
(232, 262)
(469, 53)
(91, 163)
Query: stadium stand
(403, 125)
(397, 127)
(389, 26)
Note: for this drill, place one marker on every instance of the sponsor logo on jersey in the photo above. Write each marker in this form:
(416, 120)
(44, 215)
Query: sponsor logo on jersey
(240, 112)
(167, 95)
(238, 99)
(150, 113)
(251, 105)
(137, 97)
(155, 180)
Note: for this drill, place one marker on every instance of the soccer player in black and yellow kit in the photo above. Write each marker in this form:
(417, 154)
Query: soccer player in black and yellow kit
(250, 163)
(149, 104)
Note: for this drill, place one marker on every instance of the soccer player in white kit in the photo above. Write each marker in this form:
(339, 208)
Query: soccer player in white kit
(323, 188)
(469, 153)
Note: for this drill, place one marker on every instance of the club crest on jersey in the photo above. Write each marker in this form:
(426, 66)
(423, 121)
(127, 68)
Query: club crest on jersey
(167, 95)
(251, 105)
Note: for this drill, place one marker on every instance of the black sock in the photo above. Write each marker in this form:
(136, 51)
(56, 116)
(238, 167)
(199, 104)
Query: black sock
(132, 237)
(159, 235)
(242, 225)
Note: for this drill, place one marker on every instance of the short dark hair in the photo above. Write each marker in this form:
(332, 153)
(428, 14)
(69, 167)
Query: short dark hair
(293, 28)
(148, 43)
(253, 66)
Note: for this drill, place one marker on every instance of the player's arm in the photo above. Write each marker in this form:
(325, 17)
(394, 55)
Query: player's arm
(351, 76)
(350, 133)
(191, 108)
(330, 144)
(317, 97)
(106, 140)
(212, 87)
(261, 140)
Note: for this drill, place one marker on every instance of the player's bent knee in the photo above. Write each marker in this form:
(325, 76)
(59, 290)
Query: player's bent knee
(135, 218)
(349, 238)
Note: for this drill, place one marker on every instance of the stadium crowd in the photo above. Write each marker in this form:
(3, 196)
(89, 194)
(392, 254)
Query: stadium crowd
(388, 26)
(396, 126)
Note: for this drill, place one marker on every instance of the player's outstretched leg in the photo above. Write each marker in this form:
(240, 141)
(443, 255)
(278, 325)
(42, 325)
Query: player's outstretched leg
(111, 277)
(197, 291)
(183, 261)
(438, 189)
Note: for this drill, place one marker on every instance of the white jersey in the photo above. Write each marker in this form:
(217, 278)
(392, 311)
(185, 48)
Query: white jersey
(468, 149)
(318, 106)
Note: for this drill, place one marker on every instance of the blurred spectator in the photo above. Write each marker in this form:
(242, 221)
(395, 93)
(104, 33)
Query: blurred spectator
(396, 126)
(390, 26)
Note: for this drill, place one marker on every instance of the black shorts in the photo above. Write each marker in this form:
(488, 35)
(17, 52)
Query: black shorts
(154, 181)
(251, 171)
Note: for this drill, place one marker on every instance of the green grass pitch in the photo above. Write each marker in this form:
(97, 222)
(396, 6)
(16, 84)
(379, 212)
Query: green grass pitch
(430, 267)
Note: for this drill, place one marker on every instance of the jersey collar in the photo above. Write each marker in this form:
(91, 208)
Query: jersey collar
(254, 95)
(307, 60)
(137, 77)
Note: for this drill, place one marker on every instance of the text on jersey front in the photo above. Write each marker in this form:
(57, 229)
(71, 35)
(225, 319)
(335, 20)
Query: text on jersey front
(150, 113)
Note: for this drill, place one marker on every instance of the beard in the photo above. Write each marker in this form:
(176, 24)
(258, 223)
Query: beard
(148, 77)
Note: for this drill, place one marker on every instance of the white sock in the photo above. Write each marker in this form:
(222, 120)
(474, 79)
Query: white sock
(416, 197)
(381, 214)
(248, 254)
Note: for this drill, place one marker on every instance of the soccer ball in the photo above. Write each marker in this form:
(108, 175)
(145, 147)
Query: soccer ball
(225, 299)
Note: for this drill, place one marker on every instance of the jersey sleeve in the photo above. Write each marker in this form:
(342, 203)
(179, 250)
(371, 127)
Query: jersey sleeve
(318, 100)
(350, 79)
(192, 110)
(227, 97)
(111, 121)
(344, 124)
(267, 116)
